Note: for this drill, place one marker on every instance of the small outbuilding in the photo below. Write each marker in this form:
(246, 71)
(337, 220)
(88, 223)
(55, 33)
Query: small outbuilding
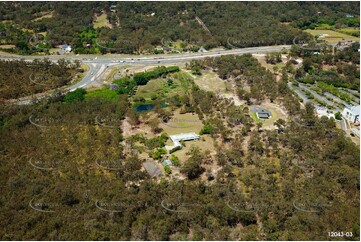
(65, 48)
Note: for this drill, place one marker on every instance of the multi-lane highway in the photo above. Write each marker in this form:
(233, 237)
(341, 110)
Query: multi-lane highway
(98, 65)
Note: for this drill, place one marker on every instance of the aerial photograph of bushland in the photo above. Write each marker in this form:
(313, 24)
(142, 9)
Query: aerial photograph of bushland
(179, 121)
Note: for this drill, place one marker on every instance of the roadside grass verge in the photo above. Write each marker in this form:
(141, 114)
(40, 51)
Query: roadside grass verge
(104, 94)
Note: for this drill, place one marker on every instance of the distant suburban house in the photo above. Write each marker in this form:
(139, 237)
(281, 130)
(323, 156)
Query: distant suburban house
(185, 137)
(351, 113)
(65, 48)
(264, 114)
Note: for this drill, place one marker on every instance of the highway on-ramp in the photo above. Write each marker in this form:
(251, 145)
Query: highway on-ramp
(98, 65)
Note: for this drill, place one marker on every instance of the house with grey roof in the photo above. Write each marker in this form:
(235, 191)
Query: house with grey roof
(263, 114)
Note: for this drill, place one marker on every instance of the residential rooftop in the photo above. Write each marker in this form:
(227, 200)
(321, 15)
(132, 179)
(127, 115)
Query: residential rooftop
(184, 136)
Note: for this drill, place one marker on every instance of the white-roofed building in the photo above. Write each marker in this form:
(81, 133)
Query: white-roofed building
(185, 136)
(351, 113)
(65, 48)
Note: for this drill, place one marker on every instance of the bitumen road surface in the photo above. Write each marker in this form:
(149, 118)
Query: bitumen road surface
(99, 64)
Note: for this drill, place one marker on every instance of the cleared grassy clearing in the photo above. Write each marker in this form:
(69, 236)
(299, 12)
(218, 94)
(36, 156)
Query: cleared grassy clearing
(209, 81)
(104, 94)
(101, 21)
(45, 15)
(255, 118)
(182, 123)
(350, 31)
(151, 87)
(268, 123)
(262, 61)
(161, 88)
(7, 46)
(331, 36)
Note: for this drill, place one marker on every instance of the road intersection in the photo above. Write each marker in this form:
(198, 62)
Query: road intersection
(98, 65)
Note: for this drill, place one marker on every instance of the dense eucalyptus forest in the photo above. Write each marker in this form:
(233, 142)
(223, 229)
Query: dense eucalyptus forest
(20, 79)
(66, 177)
(72, 164)
(134, 27)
